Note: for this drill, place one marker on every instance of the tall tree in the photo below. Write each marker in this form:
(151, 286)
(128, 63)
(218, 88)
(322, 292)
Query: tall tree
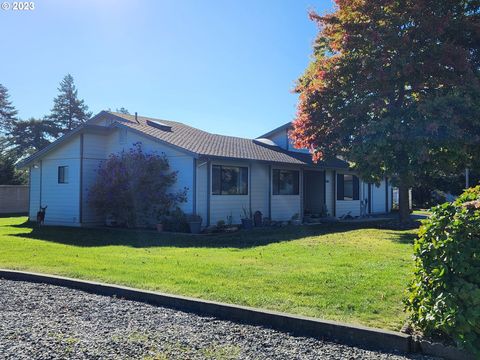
(27, 137)
(68, 110)
(394, 87)
(8, 113)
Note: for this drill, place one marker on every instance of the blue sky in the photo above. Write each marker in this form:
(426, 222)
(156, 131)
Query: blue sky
(224, 66)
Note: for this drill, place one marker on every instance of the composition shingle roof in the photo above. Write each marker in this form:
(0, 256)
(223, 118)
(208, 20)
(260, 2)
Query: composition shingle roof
(219, 146)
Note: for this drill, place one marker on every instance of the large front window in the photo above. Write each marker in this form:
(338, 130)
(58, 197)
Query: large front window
(229, 180)
(285, 182)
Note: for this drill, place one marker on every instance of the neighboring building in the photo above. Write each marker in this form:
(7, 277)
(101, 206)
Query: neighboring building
(224, 174)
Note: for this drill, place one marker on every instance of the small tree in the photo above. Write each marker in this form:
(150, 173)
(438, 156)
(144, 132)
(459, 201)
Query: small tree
(134, 188)
(68, 110)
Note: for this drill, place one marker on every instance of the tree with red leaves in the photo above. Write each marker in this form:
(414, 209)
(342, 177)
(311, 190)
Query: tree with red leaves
(394, 88)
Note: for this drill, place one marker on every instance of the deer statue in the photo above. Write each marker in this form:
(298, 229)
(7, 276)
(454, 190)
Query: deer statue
(41, 215)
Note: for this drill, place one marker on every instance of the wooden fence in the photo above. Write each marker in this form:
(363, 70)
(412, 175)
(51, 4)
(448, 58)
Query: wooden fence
(13, 199)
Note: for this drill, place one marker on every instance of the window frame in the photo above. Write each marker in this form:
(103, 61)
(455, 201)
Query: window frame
(340, 189)
(295, 193)
(221, 166)
(62, 174)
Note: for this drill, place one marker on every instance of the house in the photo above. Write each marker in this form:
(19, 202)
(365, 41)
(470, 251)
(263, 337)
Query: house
(223, 174)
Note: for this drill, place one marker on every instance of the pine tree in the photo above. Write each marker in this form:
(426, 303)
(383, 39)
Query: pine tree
(68, 111)
(8, 112)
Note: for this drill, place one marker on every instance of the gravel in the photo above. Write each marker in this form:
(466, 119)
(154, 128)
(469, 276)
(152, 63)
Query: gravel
(39, 321)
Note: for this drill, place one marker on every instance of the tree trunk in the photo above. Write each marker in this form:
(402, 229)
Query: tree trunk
(403, 203)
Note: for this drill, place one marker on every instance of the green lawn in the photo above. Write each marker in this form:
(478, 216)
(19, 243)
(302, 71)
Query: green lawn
(338, 272)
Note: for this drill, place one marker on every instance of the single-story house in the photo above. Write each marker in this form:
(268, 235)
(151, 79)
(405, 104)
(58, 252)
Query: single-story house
(223, 174)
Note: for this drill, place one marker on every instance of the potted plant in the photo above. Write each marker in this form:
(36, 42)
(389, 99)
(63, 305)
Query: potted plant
(195, 223)
(296, 219)
(247, 221)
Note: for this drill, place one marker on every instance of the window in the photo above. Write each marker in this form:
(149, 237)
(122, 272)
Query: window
(285, 182)
(63, 174)
(229, 180)
(347, 187)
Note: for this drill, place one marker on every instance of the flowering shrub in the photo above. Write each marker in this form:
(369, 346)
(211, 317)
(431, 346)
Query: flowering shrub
(444, 296)
(134, 188)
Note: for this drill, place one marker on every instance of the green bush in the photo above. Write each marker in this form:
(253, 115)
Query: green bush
(444, 295)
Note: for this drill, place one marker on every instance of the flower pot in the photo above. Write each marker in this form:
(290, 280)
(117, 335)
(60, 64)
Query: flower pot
(195, 226)
(160, 227)
(247, 224)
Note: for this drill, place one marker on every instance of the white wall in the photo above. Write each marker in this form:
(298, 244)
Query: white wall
(260, 187)
(378, 197)
(62, 199)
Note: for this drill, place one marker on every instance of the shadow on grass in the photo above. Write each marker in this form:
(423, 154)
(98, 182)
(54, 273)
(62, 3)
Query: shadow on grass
(95, 237)
(404, 237)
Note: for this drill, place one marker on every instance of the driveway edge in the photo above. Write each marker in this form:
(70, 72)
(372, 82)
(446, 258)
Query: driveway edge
(360, 336)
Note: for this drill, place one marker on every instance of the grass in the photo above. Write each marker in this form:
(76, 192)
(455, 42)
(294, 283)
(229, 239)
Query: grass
(338, 272)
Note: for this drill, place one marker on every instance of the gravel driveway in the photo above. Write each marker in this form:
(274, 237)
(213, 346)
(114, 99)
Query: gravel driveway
(40, 321)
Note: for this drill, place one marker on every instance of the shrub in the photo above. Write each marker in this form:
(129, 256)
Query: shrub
(444, 295)
(134, 187)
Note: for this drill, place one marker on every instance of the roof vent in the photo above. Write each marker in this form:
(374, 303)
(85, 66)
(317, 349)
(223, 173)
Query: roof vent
(264, 141)
(159, 125)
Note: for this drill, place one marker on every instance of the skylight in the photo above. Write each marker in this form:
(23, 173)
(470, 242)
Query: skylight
(159, 125)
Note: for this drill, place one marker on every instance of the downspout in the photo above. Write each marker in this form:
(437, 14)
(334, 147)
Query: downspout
(80, 210)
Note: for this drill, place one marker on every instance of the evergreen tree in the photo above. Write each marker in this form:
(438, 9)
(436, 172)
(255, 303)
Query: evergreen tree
(27, 137)
(394, 87)
(8, 174)
(8, 112)
(68, 110)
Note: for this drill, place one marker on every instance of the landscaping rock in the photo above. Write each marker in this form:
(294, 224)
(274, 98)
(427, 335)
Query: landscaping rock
(48, 322)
